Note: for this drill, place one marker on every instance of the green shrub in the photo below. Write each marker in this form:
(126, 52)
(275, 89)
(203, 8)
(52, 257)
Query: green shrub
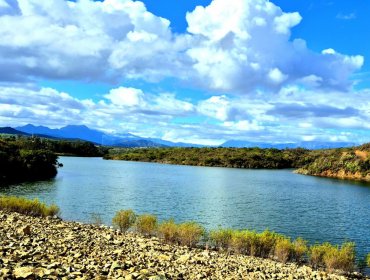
(28, 207)
(239, 241)
(252, 241)
(168, 230)
(333, 257)
(146, 224)
(190, 233)
(124, 219)
(267, 241)
(316, 254)
(342, 258)
(283, 250)
(299, 249)
(221, 238)
(368, 260)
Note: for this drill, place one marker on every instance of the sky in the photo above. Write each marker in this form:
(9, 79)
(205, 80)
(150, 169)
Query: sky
(196, 71)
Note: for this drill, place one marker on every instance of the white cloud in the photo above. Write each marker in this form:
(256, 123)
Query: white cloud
(236, 47)
(246, 45)
(3, 4)
(125, 96)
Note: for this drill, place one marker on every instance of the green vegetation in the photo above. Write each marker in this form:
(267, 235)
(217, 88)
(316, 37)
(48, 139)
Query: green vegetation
(368, 260)
(28, 207)
(187, 234)
(266, 244)
(222, 157)
(146, 224)
(168, 231)
(32, 158)
(190, 233)
(124, 219)
(346, 163)
(21, 161)
(333, 257)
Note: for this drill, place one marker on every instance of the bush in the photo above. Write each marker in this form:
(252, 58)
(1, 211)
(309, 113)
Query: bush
(190, 233)
(333, 257)
(146, 224)
(239, 241)
(253, 244)
(267, 241)
(368, 260)
(299, 249)
(221, 238)
(28, 207)
(283, 249)
(169, 231)
(316, 254)
(342, 258)
(124, 219)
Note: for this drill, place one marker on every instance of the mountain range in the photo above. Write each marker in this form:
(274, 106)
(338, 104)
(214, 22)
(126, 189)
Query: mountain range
(82, 132)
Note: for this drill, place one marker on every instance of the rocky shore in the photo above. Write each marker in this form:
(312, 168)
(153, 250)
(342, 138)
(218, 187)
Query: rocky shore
(47, 248)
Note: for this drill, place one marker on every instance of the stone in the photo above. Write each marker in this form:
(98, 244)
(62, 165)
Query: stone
(23, 272)
(25, 230)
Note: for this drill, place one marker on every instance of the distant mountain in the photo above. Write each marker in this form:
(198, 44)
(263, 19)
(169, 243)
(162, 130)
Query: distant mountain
(140, 143)
(311, 145)
(84, 133)
(10, 130)
(174, 144)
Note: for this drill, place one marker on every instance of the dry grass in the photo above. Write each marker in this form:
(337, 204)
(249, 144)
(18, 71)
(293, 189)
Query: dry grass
(28, 207)
(124, 219)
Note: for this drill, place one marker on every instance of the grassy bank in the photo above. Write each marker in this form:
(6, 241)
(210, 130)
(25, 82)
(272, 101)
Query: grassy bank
(27, 207)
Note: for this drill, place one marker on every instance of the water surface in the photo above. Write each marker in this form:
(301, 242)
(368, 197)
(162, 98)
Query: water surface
(317, 209)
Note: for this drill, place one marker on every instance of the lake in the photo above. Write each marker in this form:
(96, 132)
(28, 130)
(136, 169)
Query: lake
(318, 209)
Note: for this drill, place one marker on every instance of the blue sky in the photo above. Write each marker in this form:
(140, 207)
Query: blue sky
(195, 71)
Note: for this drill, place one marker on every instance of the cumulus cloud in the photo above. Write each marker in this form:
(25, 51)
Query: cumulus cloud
(84, 40)
(247, 45)
(238, 47)
(295, 116)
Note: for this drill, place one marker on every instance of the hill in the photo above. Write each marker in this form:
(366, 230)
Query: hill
(346, 163)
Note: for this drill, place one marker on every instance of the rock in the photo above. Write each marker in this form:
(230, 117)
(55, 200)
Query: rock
(157, 277)
(23, 272)
(183, 258)
(26, 230)
(56, 249)
(164, 257)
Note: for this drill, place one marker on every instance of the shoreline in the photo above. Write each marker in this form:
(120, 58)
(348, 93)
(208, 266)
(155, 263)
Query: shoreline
(301, 171)
(39, 248)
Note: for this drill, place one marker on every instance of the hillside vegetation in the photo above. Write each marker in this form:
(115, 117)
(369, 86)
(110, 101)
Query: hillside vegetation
(21, 161)
(221, 157)
(345, 163)
(349, 163)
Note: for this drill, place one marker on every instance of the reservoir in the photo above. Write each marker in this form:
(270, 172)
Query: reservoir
(317, 209)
